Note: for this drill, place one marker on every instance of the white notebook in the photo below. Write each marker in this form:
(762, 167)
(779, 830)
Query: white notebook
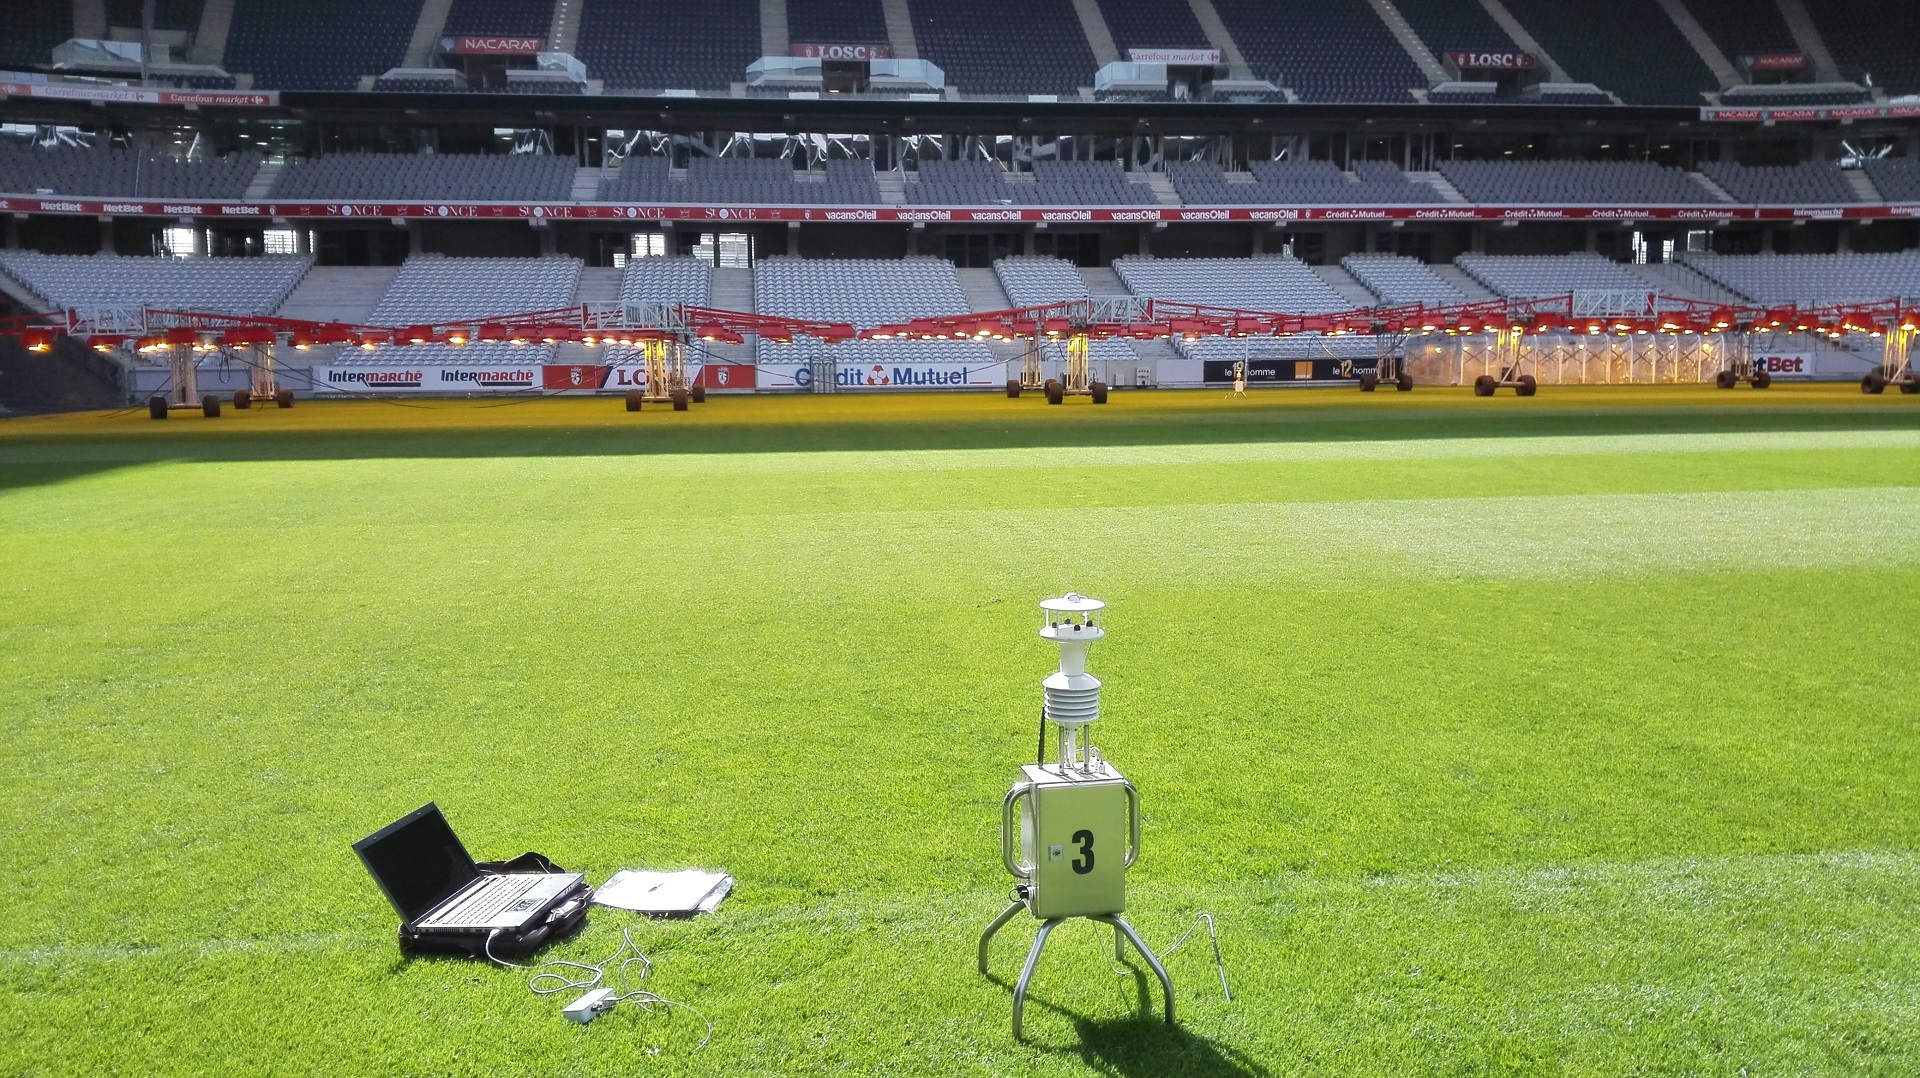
(687, 891)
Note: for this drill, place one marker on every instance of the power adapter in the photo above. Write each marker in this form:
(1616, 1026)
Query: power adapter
(590, 1005)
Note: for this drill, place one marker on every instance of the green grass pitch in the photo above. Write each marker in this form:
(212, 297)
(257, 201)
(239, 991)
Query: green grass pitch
(1571, 735)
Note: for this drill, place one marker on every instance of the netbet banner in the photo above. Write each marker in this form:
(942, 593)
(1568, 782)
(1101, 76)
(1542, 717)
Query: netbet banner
(851, 377)
(425, 378)
(1785, 364)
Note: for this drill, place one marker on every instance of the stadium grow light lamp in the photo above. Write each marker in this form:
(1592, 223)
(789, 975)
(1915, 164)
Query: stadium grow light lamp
(1069, 830)
(37, 340)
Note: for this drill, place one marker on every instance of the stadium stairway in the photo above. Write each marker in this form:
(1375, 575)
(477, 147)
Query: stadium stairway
(20, 294)
(1718, 193)
(1448, 192)
(1159, 183)
(586, 184)
(1524, 38)
(424, 43)
(1346, 284)
(731, 290)
(900, 29)
(1402, 31)
(1862, 185)
(983, 290)
(1703, 46)
(262, 181)
(1218, 36)
(598, 285)
(1675, 279)
(893, 187)
(1807, 36)
(338, 293)
(1103, 281)
(210, 42)
(1463, 281)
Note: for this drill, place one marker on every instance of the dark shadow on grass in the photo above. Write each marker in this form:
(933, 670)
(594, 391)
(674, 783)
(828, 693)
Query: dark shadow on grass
(17, 476)
(1198, 426)
(1141, 1043)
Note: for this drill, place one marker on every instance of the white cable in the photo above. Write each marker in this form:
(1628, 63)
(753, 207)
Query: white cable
(1203, 915)
(546, 982)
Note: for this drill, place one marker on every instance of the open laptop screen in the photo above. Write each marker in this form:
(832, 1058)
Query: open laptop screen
(417, 861)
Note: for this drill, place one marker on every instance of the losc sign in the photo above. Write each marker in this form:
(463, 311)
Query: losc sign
(1491, 61)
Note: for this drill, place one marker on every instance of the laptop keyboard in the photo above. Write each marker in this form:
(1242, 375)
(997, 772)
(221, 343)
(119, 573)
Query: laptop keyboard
(487, 902)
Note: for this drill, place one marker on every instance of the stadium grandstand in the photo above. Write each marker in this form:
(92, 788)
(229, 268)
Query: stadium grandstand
(871, 162)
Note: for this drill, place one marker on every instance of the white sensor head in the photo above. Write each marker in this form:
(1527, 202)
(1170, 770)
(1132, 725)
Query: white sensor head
(1073, 695)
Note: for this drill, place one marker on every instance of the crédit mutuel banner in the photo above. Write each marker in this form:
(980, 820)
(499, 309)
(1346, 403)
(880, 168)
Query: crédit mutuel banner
(882, 376)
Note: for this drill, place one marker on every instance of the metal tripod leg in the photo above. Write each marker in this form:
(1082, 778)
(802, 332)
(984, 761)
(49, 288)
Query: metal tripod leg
(998, 923)
(1120, 925)
(1026, 975)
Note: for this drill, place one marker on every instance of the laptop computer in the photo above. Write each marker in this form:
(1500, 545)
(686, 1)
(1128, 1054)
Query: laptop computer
(434, 885)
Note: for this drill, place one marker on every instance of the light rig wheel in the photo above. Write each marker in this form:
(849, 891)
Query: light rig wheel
(1098, 390)
(1013, 388)
(157, 407)
(635, 399)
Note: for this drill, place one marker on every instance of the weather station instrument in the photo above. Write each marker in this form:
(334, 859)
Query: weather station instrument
(1070, 829)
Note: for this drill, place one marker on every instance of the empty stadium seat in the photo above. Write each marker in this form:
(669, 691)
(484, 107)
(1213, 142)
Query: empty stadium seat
(867, 293)
(1631, 47)
(1447, 25)
(318, 44)
(1152, 24)
(215, 285)
(1539, 276)
(836, 22)
(433, 289)
(1813, 280)
(1896, 178)
(1274, 283)
(516, 18)
(1400, 281)
(33, 28)
(1572, 182)
(73, 171)
(467, 177)
(1007, 47)
(1087, 183)
(1811, 181)
(1744, 28)
(669, 44)
(1323, 50)
(669, 281)
(1872, 39)
(1288, 183)
(1030, 282)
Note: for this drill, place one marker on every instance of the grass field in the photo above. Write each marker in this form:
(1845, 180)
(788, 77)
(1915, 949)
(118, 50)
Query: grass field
(1572, 735)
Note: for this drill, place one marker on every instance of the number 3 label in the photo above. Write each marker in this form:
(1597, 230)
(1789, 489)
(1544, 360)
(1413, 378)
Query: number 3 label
(1083, 864)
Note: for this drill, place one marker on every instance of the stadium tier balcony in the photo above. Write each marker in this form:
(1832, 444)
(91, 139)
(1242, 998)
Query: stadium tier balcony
(1538, 276)
(1273, 283)
(1399, 281)
(670, 281)
(1744, 28)
(112, 172)
(1896, 178)
(515, 18)
(467, 177)
(1324, 50)
(1152, 24)
(430, 288)
(1873, 39)
(1789, 96)
(33, 28)
(1631, 47)
(318, 44)
(1032, 281)
(194, 82)
(836, 22)
(1810, 182)
(1005, 47)
(1573, 182)
(1479, 94)
(771, 181)
(1813, 280)
(669, 44)
(254, 286)
(1446, 25)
